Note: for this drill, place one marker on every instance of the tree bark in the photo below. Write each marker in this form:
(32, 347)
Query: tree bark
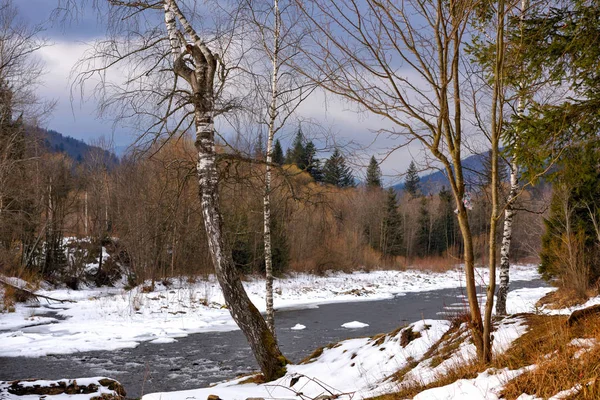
(267, 197)
(509, 212)
(201, 79)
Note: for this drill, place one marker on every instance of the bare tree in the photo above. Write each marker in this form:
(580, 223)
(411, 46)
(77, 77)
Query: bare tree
(402, 61)
(279, 92)
(163, 102)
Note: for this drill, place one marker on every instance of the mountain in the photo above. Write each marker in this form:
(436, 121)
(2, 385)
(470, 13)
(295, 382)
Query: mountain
(77, 149)
(473, 169)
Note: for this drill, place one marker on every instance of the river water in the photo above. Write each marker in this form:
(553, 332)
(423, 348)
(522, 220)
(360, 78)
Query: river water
(201, 359)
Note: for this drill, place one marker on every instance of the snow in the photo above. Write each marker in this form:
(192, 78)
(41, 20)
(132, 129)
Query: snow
(486, 386)
(365, 362)
(354, 325)
(113, 318)
(102, 390)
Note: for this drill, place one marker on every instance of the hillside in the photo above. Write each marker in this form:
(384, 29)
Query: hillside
(77, 149)
(473, 167)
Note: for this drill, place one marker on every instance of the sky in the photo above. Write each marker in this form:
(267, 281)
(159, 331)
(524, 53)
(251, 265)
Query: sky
(77, 117)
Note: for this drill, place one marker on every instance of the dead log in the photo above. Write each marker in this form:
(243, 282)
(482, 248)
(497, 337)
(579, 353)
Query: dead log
(30, 293)
(583, 313)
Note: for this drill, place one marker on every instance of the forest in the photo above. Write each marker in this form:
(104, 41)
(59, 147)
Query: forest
(227, 179)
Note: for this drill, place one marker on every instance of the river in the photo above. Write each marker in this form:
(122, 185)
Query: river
(201, 359)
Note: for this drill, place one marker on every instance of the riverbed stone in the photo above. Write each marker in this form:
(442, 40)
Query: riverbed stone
(97, 388)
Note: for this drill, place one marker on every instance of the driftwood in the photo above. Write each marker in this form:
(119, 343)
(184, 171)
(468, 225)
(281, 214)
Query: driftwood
(583, 313)
(31, 293)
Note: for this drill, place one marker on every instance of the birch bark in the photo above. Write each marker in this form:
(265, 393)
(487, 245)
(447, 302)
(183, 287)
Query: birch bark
(201, 79)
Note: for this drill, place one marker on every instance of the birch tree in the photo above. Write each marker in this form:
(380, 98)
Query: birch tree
(509, 211)
(279, 93)
(174, 81)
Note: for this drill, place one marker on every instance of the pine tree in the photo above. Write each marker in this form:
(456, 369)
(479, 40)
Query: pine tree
(336, 172)
(423, 240)
(373, 174)
(297, 154)
(391, 227)
(277, 153)
(411, 183)
(312, 164)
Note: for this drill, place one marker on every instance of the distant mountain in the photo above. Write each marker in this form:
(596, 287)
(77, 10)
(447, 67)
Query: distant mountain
(473, 169)
(77, 149)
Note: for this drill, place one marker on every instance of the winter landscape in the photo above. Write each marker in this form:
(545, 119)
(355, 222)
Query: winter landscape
(299, 199)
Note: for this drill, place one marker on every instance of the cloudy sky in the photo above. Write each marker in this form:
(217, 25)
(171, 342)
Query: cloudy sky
(78, 118)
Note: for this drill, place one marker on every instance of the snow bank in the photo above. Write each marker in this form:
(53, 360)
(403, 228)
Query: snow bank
(112, 318)
(354, 368)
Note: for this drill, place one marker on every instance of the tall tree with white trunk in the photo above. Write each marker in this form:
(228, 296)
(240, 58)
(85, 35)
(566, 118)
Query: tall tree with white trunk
(174, 80)
(279, 92)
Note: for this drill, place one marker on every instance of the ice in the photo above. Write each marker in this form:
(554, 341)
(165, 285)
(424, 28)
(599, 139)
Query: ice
(354, 325)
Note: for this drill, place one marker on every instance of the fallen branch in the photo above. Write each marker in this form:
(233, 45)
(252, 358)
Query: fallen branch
(33, 294)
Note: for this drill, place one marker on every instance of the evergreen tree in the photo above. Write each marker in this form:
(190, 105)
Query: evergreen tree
(336, 172)
(570, 244)
(297, 154)
(277, 153)
(423, 240)
(312, 164)
(373, 174)
(391, 227)
(445, 232)
(259, 148)
(411, 183)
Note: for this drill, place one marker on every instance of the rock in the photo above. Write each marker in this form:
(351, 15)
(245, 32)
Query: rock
(42, 388)
(213, 397)
(581, 314)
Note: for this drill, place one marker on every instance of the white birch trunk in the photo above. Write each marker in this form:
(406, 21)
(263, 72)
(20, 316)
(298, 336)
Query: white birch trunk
(201, 79)
(267, 197)
(509, 213)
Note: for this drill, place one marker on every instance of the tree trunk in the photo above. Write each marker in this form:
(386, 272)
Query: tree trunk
(267, 197)
(509, 213)
(201, 79)
(271, 361)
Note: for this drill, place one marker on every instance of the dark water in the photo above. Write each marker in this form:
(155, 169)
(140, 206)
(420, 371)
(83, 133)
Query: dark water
(204, 358)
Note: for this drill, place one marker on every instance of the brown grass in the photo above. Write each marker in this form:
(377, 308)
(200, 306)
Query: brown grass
(557, 368)
(564, 298)
(435, 263)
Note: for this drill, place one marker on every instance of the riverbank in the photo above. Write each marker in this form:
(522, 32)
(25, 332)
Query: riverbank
(115, 318)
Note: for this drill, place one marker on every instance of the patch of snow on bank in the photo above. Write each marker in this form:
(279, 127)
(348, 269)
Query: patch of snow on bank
(356, 367)
(486, 386)
(354, 325)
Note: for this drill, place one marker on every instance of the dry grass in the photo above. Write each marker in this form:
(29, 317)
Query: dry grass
(435, 263)
(565, 298)
(560, 366)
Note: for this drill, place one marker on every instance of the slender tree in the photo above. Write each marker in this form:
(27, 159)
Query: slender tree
(192, 96)
(278, 157)
(412, 180)
(373, 174)
(359, 61)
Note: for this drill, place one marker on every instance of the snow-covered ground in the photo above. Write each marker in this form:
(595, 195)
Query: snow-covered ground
(113, 318)
(107, 319)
